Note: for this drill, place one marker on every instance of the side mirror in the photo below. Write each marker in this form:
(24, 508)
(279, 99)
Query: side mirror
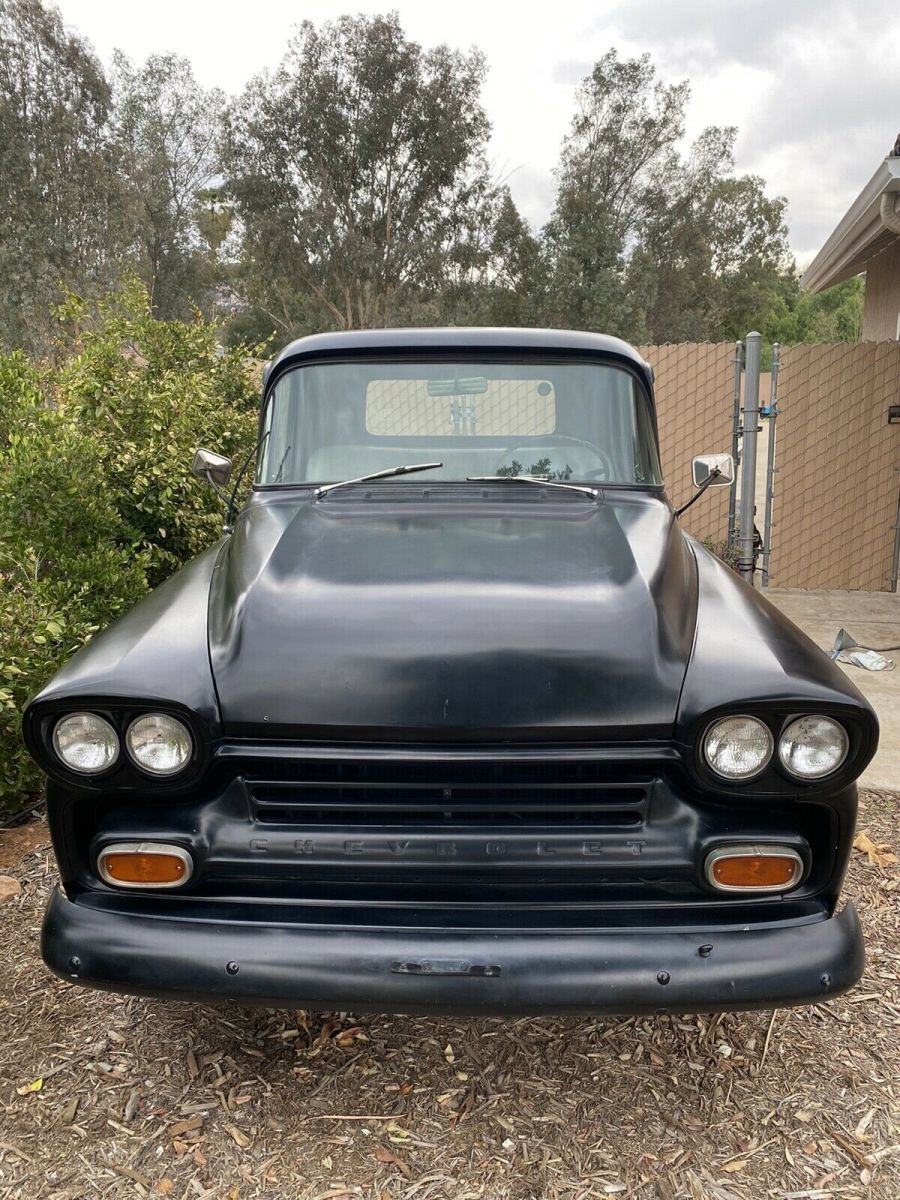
(214, 468)
(712, 470)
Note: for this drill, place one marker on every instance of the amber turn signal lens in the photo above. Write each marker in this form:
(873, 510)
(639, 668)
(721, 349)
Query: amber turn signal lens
(144, 865)
(754, 868)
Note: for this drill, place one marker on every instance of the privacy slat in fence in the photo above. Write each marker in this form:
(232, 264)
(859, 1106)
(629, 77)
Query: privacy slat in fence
(838, 461)
(694, 390)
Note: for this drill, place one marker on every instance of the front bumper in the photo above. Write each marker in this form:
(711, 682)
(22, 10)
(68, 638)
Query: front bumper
(477, 972)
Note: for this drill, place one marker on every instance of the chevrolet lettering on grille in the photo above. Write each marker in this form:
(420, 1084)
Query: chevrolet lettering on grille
(476, 850)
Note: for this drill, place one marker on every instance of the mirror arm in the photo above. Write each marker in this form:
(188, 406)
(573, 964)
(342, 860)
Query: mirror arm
(228, 501)
(232, 500)
(714, 474)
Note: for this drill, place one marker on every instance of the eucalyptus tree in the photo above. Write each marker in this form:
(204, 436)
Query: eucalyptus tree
(355, 169)
(168, 129)
(649, 239)
(61, 212)
(712, 247)
(616, 152)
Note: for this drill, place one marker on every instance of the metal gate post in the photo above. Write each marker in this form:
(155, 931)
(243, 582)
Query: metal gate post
(748, 456)
(735, 441)
(770, 464)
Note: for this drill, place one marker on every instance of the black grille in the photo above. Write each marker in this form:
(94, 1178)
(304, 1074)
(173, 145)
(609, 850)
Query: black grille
(274, 809)
(445, 831)
(446, 794)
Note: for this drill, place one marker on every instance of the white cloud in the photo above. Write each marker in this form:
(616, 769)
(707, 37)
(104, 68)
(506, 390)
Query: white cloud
(811, 84)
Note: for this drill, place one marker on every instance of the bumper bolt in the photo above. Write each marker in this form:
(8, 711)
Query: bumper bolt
(825, 980)
(705, 951)
(232, 968)
(74, 963)
(663, 977)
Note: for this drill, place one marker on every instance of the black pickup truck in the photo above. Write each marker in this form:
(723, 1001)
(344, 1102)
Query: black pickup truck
(455, 717)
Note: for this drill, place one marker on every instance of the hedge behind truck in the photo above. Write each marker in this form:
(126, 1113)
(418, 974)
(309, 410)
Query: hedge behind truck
(97, 503)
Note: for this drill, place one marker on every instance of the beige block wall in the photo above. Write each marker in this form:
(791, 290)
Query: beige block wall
(881, 309)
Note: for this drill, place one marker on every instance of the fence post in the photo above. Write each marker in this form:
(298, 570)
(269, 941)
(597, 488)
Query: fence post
(770, 464)
(748, 456)
(735, 441)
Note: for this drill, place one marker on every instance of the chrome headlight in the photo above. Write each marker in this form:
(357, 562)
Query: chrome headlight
(159, 744)
(738, 748)
(813, 747)
(85, 743)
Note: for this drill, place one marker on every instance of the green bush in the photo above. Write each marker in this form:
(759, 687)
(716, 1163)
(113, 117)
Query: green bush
(97, 503)
(151, 392)
(729, 554)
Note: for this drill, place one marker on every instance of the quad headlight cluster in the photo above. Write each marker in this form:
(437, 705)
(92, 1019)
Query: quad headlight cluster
(739, 748)
(155, 742)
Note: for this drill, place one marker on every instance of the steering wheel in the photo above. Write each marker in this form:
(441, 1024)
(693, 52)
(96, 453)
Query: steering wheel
(603, 472)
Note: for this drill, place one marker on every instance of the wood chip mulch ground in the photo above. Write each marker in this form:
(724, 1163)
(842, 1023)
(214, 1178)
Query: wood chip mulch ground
(109, 1096)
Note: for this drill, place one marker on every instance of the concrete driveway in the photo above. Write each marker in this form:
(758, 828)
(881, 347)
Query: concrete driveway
(874, 620)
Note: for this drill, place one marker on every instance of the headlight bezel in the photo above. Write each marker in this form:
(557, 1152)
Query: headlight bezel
(124, 773)
(778, 716)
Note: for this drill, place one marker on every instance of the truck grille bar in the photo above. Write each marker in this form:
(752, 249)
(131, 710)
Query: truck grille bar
(505, 796)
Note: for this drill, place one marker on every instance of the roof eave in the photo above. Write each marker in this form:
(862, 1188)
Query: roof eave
(859, 236)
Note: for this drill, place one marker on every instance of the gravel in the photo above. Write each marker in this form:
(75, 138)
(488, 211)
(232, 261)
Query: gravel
(112, 1096)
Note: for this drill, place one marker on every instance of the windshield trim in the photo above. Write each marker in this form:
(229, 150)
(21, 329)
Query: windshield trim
(437, 354)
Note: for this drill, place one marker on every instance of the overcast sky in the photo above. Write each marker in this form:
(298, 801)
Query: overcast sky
(813, 85)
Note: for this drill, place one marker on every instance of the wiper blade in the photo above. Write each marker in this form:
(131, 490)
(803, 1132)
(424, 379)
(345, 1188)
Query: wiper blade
(572, 487)
(386, 474)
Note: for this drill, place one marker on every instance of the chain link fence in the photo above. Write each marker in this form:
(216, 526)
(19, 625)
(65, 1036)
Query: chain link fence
(838, 467)
(694, 384)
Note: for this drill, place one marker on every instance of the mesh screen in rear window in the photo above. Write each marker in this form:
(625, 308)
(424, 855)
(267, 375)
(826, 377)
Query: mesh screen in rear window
(406, 408)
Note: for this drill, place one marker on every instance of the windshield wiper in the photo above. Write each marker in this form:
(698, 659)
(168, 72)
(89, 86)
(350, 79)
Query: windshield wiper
(386, 474)
(572, 487)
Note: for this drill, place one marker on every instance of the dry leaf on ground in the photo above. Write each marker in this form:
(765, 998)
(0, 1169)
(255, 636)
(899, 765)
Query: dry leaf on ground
(878, 853)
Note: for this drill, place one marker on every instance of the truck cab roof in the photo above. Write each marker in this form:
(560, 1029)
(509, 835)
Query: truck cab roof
(459, 339)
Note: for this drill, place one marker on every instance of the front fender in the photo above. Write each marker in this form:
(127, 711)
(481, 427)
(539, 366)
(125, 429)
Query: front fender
(156, 652)
(747, 653)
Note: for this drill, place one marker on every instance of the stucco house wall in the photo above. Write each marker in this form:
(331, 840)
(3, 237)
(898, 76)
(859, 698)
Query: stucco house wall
(881, 309)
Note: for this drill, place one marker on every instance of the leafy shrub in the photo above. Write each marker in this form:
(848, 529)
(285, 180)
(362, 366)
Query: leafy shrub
(151, 392)
(728, 553)
(96, 498)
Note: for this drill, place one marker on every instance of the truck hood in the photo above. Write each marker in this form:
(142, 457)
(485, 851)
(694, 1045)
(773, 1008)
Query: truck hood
(441, 619)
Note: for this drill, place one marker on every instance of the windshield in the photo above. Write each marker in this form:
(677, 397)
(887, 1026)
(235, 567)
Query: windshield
(585, 422)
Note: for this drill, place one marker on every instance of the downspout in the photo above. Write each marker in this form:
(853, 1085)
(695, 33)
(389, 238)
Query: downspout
(890, 217)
